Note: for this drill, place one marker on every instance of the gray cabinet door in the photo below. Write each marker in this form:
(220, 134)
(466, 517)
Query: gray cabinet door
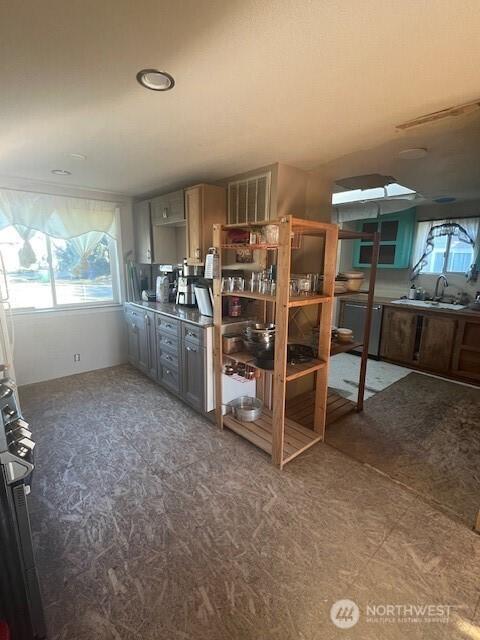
(133, 343)
(143, 346)
(193, 365)
(151, 344)
(143, 232)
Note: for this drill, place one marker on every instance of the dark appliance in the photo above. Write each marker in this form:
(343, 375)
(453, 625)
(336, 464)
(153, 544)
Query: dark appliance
(20, 600)
(352, 316)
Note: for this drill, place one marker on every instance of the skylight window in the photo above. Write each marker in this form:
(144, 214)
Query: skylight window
(359, 195)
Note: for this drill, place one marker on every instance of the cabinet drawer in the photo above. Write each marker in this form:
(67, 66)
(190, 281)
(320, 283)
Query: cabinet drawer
(192, 333)
(167, 342)
(166, 324)
(168, 358)
(169, 376)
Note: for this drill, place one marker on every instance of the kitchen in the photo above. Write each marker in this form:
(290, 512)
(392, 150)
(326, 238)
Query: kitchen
(240, 344)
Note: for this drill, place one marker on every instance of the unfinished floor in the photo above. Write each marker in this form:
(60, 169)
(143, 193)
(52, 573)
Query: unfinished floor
(149, 524)
(423, 432)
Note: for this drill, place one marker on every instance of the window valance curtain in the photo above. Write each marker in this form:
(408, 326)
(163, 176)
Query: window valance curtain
(465, 229)
(57, 216)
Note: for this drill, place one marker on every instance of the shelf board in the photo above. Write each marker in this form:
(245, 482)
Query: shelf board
(301, 369)
(301, 408)
(296, 437)
(350, 293)
(303, 301)
(297, 301)
(343, 347)
(253, 295)
(250, 246)
(294, 371)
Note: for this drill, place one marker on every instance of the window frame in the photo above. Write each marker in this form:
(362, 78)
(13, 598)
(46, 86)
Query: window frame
(117, 284)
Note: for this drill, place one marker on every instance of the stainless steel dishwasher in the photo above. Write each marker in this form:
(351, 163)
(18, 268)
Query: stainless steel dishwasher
(352, 316)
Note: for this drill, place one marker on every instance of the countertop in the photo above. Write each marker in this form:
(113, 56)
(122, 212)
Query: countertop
(388, 302)
(188, 314)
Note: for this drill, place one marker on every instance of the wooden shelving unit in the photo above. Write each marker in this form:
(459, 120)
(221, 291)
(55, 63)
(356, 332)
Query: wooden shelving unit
(283, 438)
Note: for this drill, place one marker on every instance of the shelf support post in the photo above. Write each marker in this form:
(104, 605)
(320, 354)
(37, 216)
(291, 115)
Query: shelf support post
(368, 320)
(217, 322)
(325, 329)
(281, 338)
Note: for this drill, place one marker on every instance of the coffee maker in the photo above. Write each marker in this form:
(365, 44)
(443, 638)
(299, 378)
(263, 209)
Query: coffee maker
(187, 279)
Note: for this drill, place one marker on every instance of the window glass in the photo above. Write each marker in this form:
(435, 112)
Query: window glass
(460, 256)
(27, 269)
(436, 259)
(81, 269)
(44, 272)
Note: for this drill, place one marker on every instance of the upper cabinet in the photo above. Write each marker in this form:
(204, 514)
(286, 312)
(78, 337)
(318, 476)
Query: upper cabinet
(168, 209)
(143, 232)
(396, 240)
(205, 205)
(155, 223)
(249, 199)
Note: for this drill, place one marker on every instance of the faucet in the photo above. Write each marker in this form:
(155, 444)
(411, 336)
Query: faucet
(445, 285)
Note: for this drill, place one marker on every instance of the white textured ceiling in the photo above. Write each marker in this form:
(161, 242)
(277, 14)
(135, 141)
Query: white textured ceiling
(302, 82)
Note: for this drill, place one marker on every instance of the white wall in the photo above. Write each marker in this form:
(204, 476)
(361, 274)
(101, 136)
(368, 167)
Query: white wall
(45, 341)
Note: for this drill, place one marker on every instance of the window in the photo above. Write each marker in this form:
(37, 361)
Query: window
(445, 246)
(44, 272)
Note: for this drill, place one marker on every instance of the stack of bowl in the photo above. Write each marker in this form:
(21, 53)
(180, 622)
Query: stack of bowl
(259, 340)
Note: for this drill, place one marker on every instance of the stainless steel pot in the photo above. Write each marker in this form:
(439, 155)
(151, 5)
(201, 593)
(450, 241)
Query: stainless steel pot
(246, 409)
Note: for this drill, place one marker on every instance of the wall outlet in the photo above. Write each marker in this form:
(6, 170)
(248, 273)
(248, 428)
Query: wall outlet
(76, 357)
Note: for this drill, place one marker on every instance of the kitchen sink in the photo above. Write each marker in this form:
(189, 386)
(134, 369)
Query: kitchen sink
(430, 304)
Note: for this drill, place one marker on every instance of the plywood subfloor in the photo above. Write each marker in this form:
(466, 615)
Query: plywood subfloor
(150, 523)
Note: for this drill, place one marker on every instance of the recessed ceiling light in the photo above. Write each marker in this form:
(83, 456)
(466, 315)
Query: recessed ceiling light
(61, 172)
(78, 156)
(412, 154)
(155, 80)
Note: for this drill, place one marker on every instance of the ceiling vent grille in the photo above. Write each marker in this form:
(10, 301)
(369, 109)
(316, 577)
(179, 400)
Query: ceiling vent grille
(249, 199)
(451, 112)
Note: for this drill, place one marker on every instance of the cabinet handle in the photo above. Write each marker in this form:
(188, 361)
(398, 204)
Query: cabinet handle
(149, 254)
(168, 372)
(169, 358)
(168, 341)
(191, 349)
(197, 253)
(169, 326)
(165, 212)
(191, 334)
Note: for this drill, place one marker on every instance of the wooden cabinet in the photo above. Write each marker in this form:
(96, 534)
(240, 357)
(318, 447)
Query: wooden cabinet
(155, 229)
(193, 364)
(396, 239)
(436, 343)
(170, 351)
(466, 352)
(141, 339)
(143, 232)
(398, 335)
(168, 208)
(205, 205)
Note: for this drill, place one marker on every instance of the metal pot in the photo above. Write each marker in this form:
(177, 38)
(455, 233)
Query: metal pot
(245, 408)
